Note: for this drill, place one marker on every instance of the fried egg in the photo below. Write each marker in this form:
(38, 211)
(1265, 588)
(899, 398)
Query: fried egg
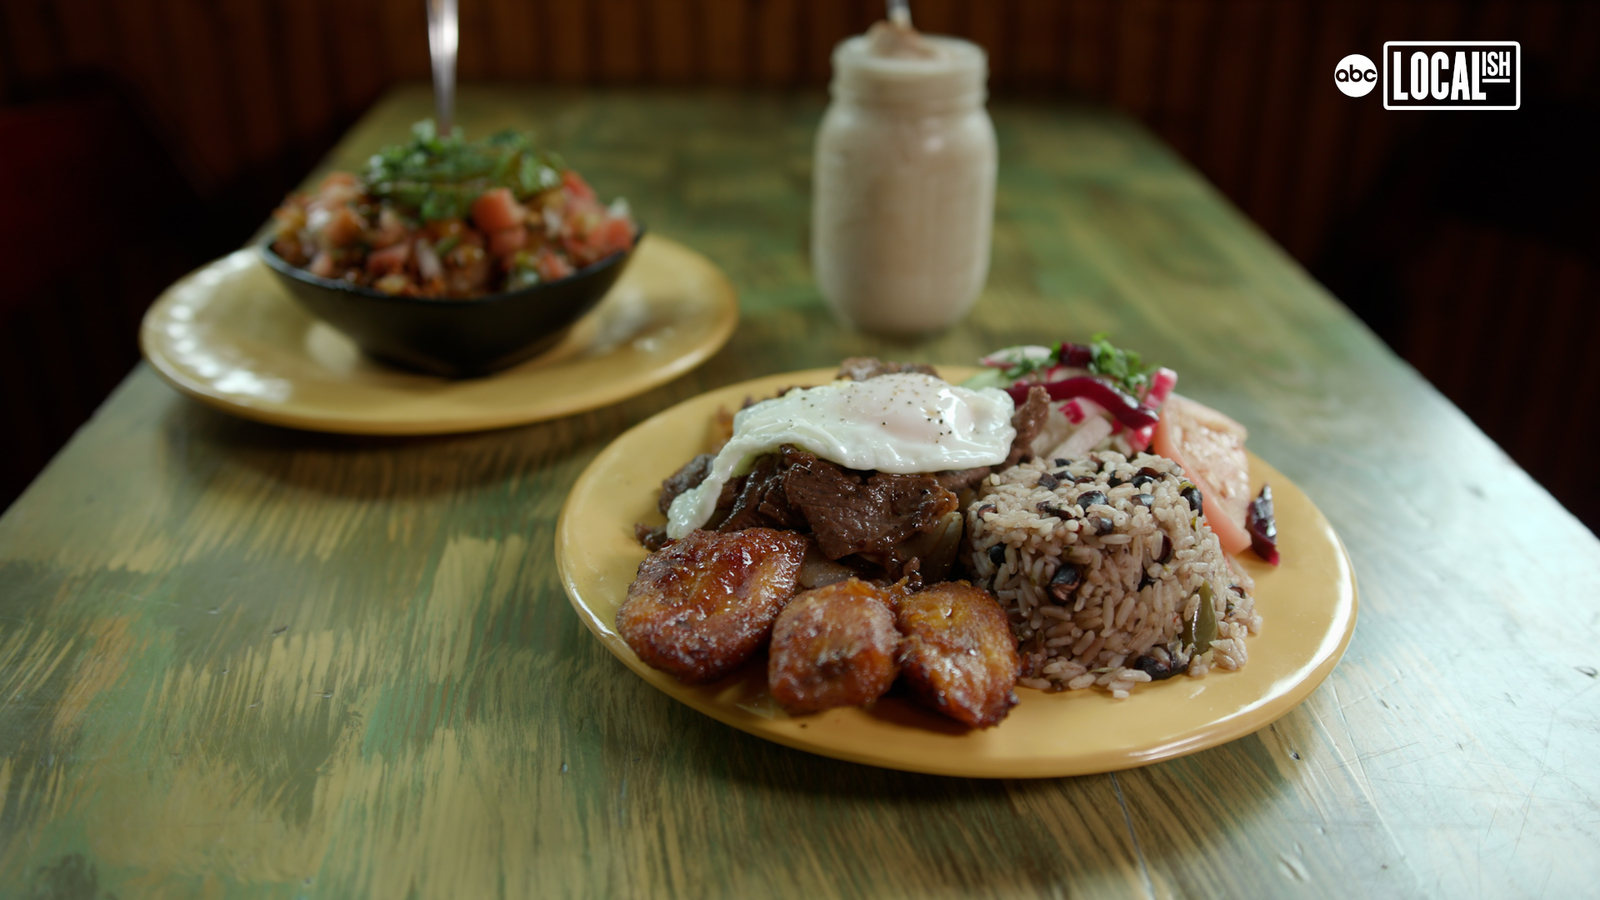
(904, 424)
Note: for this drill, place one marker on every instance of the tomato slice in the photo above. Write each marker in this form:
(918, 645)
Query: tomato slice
(1209, 447)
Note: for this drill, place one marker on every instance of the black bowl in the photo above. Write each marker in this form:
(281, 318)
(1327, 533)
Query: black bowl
(453, 338)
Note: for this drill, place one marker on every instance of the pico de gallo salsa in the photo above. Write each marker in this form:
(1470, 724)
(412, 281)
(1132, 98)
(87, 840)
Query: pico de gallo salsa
(443, 217)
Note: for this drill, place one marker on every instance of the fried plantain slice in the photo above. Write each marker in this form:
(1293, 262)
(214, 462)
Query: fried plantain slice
(833, 646)
(958, 654)
(702, 606)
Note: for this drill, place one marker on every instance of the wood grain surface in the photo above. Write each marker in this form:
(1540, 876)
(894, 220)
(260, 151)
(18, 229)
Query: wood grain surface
(240, 661)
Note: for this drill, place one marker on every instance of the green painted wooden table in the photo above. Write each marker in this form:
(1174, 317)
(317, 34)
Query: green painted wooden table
(243, 661)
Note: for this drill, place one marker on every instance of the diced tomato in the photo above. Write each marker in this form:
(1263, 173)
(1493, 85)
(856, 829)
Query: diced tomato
(497, 210)
(576, 186)
(550, 266)
(389, 259)
(577, 250)
(338, 188)
(1209, 447)
(341, 227)
(612, 235)
(508, 240)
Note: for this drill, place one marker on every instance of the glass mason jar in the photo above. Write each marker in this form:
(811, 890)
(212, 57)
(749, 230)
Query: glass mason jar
(903, 186)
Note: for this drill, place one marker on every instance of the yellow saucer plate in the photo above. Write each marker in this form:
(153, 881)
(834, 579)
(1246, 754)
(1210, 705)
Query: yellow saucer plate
(1308, 605)
(231, 336)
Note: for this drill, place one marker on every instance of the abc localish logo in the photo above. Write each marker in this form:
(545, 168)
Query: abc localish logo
(1450, 75)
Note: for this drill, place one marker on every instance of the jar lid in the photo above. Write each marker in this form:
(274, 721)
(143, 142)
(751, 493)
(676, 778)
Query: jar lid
(951, 74)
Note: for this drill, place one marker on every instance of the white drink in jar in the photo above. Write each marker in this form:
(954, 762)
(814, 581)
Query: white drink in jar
(903, 190)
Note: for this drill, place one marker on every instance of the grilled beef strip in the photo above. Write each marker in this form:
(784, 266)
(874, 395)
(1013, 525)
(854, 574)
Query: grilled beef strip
(855, 513)
(686, 478)
(761, 503)
(1028, 420)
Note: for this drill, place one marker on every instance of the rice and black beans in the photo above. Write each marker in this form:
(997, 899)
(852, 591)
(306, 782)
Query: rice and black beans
(1100, 563)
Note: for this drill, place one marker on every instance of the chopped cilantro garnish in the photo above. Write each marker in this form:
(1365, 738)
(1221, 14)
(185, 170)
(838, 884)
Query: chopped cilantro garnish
(1121, 366)
(438, 177)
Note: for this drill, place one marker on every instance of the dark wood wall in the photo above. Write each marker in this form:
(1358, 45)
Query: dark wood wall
(1463, 239)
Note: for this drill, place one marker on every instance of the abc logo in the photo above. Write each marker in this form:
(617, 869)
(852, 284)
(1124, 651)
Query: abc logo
(1355, 75)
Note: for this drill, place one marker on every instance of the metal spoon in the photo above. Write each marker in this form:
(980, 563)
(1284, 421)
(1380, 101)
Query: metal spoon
(900, 13)
(443, 35)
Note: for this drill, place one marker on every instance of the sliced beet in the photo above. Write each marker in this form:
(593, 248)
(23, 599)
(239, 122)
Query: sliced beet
(1123, 406)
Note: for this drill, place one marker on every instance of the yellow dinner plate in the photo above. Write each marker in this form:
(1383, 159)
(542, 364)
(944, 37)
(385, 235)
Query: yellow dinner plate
(231, 336)
(1308, 605)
